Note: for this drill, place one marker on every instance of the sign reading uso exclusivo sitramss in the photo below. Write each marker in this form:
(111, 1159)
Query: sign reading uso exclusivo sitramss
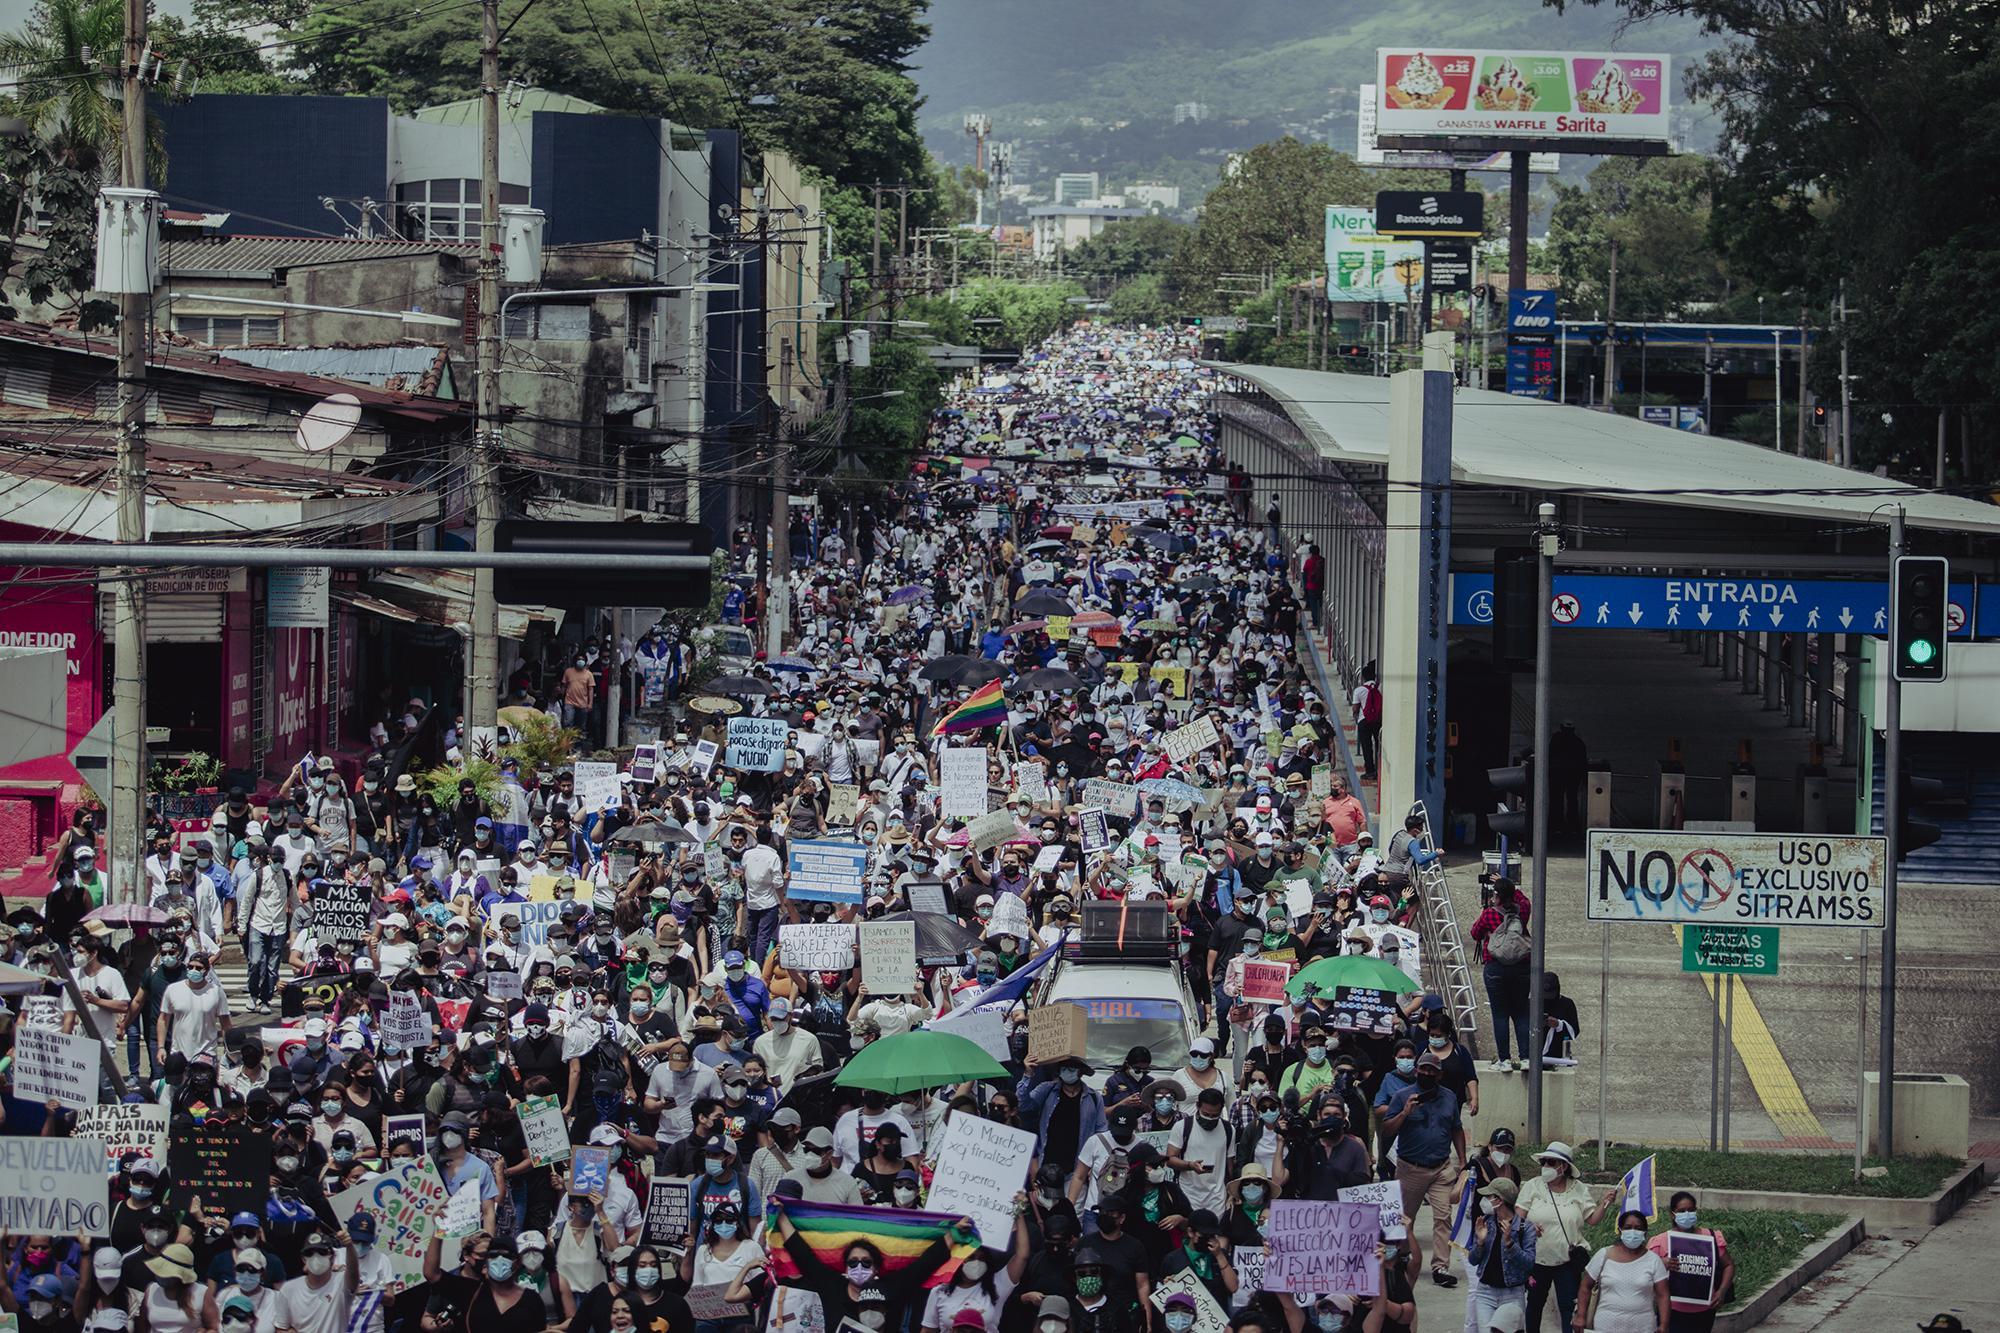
(1738, 879)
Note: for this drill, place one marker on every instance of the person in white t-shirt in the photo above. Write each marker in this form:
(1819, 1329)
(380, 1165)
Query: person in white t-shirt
(321, 1301)
(194, 1012)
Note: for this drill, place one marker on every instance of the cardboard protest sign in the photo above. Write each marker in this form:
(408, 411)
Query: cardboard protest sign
(1209, 1317)
(55, 1187)
(669, 1210)
(596, 786)
(224, 1163)
(1048, 858)
(1119, 798)
(55, 1066)
(1318, 1248)
(843, 803)
(545, 1129)
(41, 1011)
(1184, 743)
(404, 1129)
(1055, 1032)
(340, 910)
(1248, 1260)
(817, 947)
(405, 1201)
(825, 871)
(1031, 779)
(708, 1306)
(990, 830)
(888, 957)
(756, 744)
(1387, 1196)
(1321, 782)
(1010, 917)
(705, 755)
(128, 1128)
(1361, 1009)
(962, 783)
(981, 1165)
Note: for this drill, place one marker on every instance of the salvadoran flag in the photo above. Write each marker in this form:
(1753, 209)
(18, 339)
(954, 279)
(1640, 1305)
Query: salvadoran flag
(1636, 1190)
(1461, 1217)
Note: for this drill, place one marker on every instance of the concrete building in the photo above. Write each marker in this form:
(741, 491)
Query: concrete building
(1073, 187)
(1196, 111)
(1153, 194)
(1058, 228)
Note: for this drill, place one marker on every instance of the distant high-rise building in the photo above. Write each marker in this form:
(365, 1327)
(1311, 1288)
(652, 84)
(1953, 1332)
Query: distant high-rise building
(1073, 187)
(1186, 111)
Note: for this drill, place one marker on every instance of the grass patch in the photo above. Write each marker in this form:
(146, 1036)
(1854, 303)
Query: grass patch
(1799, 1173)
(1764, 1244)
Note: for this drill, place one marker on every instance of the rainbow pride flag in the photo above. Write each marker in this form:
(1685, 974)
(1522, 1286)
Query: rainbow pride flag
(901, 1234)
(984, 707)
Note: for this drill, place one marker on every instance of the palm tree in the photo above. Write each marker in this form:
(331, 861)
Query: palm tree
(53, 76)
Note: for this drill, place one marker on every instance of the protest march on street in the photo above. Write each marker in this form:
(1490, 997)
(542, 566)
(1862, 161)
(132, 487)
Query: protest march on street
(1009, 954)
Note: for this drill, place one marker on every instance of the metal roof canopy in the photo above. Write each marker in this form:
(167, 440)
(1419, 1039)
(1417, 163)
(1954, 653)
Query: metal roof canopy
(1648, 479)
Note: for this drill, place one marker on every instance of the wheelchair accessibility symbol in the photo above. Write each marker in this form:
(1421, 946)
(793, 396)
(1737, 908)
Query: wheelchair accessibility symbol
(1480, 607)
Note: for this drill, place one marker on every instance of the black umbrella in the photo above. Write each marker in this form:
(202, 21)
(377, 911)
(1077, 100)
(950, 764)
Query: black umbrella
(1044, 602)
(943, 668)
(1170, 542)
(938, 936)
(1201, 583)
(1046, 680)
(739, 685)
(977, 671)
(653, 831)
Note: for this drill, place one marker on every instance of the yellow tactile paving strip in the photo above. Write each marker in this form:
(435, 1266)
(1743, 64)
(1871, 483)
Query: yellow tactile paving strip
(1784, 1101)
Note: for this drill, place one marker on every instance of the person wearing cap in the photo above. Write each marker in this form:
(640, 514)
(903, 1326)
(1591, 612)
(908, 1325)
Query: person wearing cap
(1493, 1162)
(1557, 1205)
(817, 1174)
(246, 1236)
(460, 1166)
(1422, 1116)
(1942, 1322)
(101, 1284)
(779, 1151)
(1501, 1257)
(788, 1051)
(1624, 1286)
(1062, 1109)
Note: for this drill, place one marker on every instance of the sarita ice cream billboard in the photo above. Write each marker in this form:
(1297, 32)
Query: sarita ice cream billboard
(1442, 93)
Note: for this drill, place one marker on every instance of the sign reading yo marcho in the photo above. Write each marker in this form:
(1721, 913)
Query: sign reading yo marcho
(1737, 879)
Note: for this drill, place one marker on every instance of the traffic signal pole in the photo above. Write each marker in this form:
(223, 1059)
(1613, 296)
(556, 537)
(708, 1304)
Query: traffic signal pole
(1545, 545)
(1892, 820)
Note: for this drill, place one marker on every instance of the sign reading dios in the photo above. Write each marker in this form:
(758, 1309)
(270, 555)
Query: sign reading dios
(1740, 879)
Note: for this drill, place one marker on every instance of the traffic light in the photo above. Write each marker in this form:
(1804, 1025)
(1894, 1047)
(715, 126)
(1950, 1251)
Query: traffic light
(610, 581)
(1514, 780)
(1915, 793)
(1918, 607)
(1516, 590)
(1354, 351)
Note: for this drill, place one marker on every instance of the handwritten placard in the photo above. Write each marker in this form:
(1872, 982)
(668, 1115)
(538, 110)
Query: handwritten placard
(1318, 1248)
(981, 1165)
(817, 946)
(889, 957)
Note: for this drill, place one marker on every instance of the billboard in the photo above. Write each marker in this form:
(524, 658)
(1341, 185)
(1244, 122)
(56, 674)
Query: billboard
(1369, 153)
(1364, 265)
(1531, 95)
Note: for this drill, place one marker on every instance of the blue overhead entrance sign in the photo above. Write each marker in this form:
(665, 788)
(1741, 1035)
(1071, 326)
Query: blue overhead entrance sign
(1613, 601)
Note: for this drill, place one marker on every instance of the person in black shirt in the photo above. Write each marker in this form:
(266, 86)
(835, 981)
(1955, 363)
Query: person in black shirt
(1125, 1082)
(861, 1280)
(877, 1172)
(540, 1052)
(451, 1293)
(1099, 1307)
(1274, 1054)
(1048, 1275)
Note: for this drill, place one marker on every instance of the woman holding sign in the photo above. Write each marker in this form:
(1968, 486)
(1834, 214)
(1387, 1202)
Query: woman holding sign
(1700, 1269)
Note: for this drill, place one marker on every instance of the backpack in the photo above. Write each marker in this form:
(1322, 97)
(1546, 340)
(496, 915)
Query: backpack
(1510, 943)
(1371, 704)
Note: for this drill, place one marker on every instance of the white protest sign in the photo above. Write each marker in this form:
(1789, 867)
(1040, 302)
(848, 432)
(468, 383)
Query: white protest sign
(705, 754)
(1183, 743)
(1387, 1196)
(889, 957)
(55, 1187)
(843, 803)
(1048, 858)
(41, 1011)
(138, 1128)
(990, 830)
(981, 1166)
(596, 785)
(502, 983)
(1031, 779)
(461, 1214)
(962, 779)
(52, 1066)
(985, 1026)
(1318, 1248)
(818, 947)
(1249, 1264)
(1208, 1316)
(1010, 917)
(756, 744)
(406, 1025)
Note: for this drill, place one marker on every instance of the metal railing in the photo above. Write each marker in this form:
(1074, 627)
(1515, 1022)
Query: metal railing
(1446, 970)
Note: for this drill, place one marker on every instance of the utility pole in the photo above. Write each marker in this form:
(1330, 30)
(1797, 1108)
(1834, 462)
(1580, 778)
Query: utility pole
(1846, 388)
(1611, 335)
(483, 687)
(1708, 384)
(1545, 542)
(1517, 222)
(777, 593)
(128, 686)
(875, 263)
(1892, 825)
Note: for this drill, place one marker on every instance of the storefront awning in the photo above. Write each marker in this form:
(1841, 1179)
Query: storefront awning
(376, 606)
(444, 597)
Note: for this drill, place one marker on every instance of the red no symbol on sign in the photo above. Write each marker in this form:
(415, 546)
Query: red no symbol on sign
(1707, 879)
(1564, 608)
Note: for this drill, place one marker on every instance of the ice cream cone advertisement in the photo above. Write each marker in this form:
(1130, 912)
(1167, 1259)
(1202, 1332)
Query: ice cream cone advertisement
(1532, 96)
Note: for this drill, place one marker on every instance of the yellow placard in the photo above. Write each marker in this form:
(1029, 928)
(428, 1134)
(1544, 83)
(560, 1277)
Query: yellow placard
(1083, 534)
(1059, 627)
(542, 889)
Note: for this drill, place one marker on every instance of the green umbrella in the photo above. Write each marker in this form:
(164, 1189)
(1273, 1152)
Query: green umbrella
(912, 1061)
(1354, 970)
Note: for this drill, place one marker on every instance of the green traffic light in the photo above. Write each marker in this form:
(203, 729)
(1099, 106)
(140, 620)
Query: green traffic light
(1921, 651)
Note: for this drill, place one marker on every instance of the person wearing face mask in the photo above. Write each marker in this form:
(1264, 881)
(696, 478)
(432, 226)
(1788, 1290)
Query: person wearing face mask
(1314, 1071)
(246, 1237)
(1687, 1314)
(861, 1288)
(460, 1166)
(251, 1291)
(172, 1301)
(1155, 1207)
(980, 1288)
(1557, 1206)
(1205, 1252)
(817, 1176)
(502, 1304)
(1422, 1116)
(788, 1051)
(1202, 1151)
(144, 1206)
(103, 1284)
(1064, 1111)
(194, 1013)
(1493, 1162)
(333, 1118)
(1203, 1072)
(721, 1256)
(169, 968)
(1624, 1285)
(1501, 1256)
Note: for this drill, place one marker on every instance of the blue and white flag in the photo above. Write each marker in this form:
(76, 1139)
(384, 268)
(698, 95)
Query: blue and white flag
(1461, 1217)
(1636, 1190)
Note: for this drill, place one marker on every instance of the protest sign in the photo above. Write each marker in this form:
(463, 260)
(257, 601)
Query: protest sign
(41, 1011)
(461, 1212)
(707, 1305)
(982, 1025)
(1093, 834)
(407, 1025)
(1055, 1032)
(502, 983)
(843, 803)
(1248, 1261)
(1119, 798)
(705, 753)
(1387, 1196)
(817, 947)
(56, 1187)
(669, 1210)
(1691, 1285)
(888, 957)
(404, 1129)
(1184, 743)
(536, 918)
(990, 830)
(1318, 1248)
(1031, 780)
(1298, 897)
(645, 760)
(825, 871)
(1010, 917)
(756, 744)
(1048, 858)
(1209, 1317)
(596, 786)
(962, 782)
(545, 1129)
(590, 1171)
(54, 1066)
(340, 910)
(1321, 782)
(137, 1129)
(928, 895)
(224, 1163)
(981, 1165)
(1361, 1009)
(1409, 947)
(404, 1201)
(1264, 983)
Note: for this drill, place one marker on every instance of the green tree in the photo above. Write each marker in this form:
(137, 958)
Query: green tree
(1144, 299)
(61, 270)
(1656, 209)
(209, 57)
(1128, 247)
(69, 102)
(1018, 314)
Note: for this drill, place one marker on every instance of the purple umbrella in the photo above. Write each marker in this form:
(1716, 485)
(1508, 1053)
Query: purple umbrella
(916, 592)
(127, 914)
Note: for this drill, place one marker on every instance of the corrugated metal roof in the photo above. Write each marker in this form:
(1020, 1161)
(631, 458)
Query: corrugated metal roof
(531, 101)
(1525, 444)
(391, 366)
(263, 254)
